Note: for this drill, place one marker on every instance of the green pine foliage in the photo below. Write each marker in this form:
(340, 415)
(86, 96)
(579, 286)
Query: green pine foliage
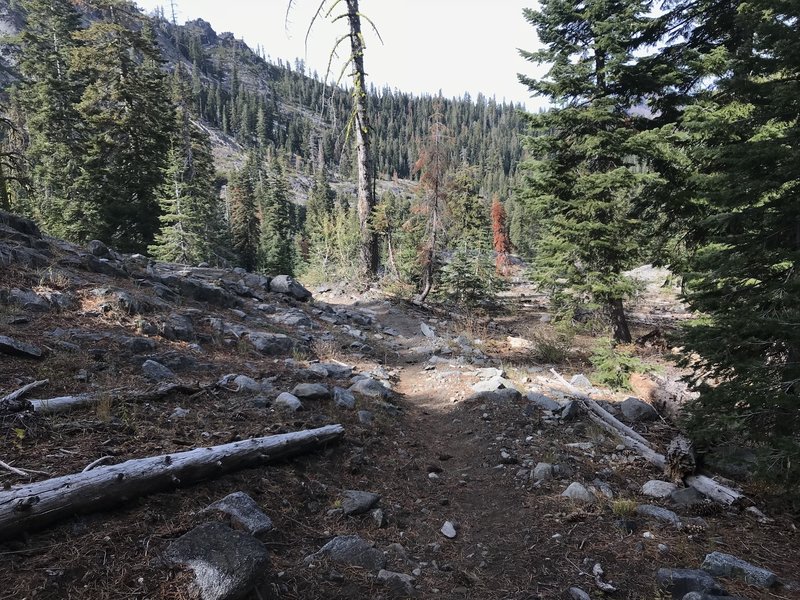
(276, 244)
(244, 222)
(583, 183)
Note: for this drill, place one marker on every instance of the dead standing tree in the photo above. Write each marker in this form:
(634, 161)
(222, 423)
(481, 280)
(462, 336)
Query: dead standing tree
(359, 121)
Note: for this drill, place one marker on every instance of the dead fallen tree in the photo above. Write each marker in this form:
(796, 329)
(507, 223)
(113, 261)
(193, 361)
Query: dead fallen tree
(66, 403)
(36, 505)
(705, 485)
(17, 395)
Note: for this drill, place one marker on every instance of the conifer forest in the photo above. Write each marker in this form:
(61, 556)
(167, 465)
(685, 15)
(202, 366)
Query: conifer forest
(642, 227)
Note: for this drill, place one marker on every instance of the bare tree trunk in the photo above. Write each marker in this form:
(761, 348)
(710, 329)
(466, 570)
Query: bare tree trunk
(366, 193)
(619, 323)
(427, 274)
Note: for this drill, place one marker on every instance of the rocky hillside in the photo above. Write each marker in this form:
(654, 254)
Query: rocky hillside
(361, 449)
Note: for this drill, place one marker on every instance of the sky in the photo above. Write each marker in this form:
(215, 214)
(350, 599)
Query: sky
(455, 46)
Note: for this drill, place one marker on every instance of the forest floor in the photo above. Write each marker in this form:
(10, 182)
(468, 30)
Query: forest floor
(435, 453)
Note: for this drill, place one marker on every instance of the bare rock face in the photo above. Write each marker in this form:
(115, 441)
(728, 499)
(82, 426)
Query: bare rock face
(227, 564)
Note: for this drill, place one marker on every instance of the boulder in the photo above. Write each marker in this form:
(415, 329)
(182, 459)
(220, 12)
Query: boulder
(659, 514)
(12, 347)
(336, 371)
(727, 565)
(343, 398)
(227, 564)
(658, 489)
(680, 582)
(581, 382)
(579, 493)
(543, 401)
(543, 472)
(243, 513)
(283, 284)
(399, 583)
(351, 550)
(271, 344)
(287, 401)
(155, 371)
(311, 391)
(370, 388)
(179, 327)
(635, 411)
(355, 502)
(244, 383)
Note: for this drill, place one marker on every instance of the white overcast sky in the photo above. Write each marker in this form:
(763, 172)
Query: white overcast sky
(455, 46)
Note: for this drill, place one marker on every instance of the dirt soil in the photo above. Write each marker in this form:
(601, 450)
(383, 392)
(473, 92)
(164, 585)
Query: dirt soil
(440, 459)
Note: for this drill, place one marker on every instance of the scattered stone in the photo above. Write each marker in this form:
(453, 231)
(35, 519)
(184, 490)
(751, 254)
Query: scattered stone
(578, 594)
(288, 401)
(179, 327)
(343, 398)
(449, 530)
(497, 396)
(179, 413)
(686, 497)
(570, 411)
(98, 249)
(495, 383)
(543, 401)
(427, 331)
(243, 513)
(244, 383)
(542, 472)
(379, 517)
(658, 489)
(351, 550)
(635, 411)
(271, 344)
(336, 371)
(489, 373)
(370, 388)
(355, 502)
(227, 564)
(14, 347)
(155, 371)
(365, 417)
(399, 583)
(680, 582)
(139, 345)
(659, 514)
(581, 382)
(283, 284)
(663, 549)
(311, 391)
(727, 565)
(28, 300)
(579, 493)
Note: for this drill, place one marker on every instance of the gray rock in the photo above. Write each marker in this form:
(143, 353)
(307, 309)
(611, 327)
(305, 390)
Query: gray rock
(489, 373)
(580, 381)
(293, 318)
(243, 513)
(343, 398)
(579, 493)
(227, 564)
(244, 383)
(283, 284)
(570, 411)
(427, 331)
(365, 417)
(578, 594)
(351, 550)
(179, 413)
(635, 411)
(497, 396)
(680, 582)
(287, 401)
(658, 489)
(727, 565)
(29, 300)
(179, 327)
(139, 345)
(686, 497)
(399, 583)
(14, 347)
(156, 371)
(336, 371)
(495, 383)
(355, 502)
(659, 514)
(543, 472)
(448, 530)
(378, 517)
(271, 344)
(98, 249)
(543, 401)
(370, 388)
(311, 391)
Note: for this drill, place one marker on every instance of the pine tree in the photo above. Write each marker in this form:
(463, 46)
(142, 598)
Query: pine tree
(126, 116)
(276, 246)
(582, 184)
(244, 222)
(47, 94)
(191, 216)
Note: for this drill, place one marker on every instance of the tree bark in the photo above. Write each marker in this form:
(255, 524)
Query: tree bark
(619, 323)
(36, 505)
(366, 192)
(66, 403)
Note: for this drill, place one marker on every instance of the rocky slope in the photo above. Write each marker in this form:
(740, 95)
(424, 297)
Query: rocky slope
(466, 469)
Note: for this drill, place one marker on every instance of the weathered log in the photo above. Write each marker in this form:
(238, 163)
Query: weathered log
(20, 393)
(715, 490)
(644, 450)
(66, 403)
(36, 505)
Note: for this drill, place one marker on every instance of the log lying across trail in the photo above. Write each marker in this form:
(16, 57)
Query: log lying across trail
(66, 403)
(705, 485)
(35, 505)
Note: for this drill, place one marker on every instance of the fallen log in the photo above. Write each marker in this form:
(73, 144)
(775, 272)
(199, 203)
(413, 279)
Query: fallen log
(36, 505)
(20, 393)
(703, 484)
(66, 403)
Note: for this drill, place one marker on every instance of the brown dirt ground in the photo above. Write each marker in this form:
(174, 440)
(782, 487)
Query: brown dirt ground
(515, 541)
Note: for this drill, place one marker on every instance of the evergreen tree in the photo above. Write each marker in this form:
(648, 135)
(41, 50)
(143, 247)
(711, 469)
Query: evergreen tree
(191, 219)
(276, 256)
(582, 184)
(126, 116)
(244, 222)
(47, 94)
